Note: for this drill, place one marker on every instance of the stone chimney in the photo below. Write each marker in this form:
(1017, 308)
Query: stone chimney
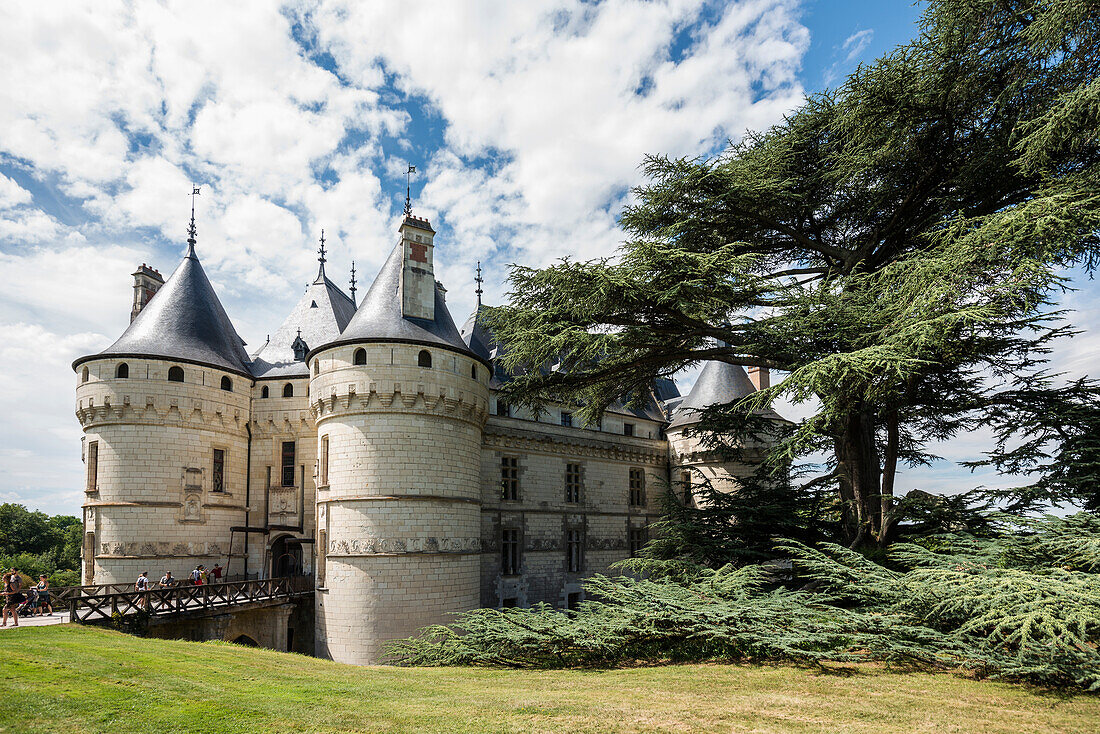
(417, 273)
(760, 377)
(147, 282)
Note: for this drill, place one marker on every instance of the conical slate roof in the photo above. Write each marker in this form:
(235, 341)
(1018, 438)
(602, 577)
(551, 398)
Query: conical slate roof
(321, 314)
(184, 321)
(379, 317)
(717, 384)
(477, 337)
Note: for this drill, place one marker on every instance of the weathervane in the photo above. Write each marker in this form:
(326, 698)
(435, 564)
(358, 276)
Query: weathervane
(353, 282)
(479, 280)
(192, 232)
(321, 250)
(408, 190)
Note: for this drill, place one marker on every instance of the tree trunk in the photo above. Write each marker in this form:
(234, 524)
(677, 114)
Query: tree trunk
(859, 472)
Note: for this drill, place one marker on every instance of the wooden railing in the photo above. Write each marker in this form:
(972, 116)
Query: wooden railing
(62, 594)
(183, 598)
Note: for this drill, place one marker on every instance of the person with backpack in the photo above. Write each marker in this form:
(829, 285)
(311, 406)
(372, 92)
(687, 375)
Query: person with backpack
(13, 597)
(196, 575)
(142, 586)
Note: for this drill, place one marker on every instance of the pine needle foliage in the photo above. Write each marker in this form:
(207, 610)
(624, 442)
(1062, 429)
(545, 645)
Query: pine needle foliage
(1024, 606)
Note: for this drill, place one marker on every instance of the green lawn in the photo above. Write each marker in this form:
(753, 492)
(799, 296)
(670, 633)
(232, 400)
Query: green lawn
(78, 679)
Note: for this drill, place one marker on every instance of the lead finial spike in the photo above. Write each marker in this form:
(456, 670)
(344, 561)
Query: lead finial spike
(408, 190)
(479, 280)
(192, 232)
(353, 283)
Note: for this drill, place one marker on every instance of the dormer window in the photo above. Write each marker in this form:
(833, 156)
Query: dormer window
(300, 348)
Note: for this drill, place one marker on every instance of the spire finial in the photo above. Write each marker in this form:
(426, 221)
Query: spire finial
(479, 280)
(192, 232)
(321, 252)
(353, 283)
(408, 190)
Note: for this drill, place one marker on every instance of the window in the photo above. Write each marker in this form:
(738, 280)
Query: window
(424, 359)
(175, 373)
(324, 461)
(509, 478)
(93, 467)
(685, 483)
(316, 367)
(288, 390)
(509, 551)
(573, 483)
(573, 600)
(265, 392)
(322, 553)
(227, 384)
(498, 371)
(502, 408)
(636, 540)
(566, 418)
(84, 375)
(574, 551)
(219, 471)
(288, 463)
(360, 356)
(473, 371)
(628, 429)
(637, 487)
(122, 372)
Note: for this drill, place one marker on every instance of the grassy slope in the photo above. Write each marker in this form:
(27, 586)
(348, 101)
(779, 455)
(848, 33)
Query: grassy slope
(76, 679)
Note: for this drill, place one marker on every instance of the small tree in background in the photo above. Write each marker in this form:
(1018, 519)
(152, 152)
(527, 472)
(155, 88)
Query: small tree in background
(894, 247)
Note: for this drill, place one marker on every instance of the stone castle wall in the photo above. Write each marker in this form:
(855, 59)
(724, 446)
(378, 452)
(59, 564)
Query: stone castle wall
(153, 506)
(399, 514)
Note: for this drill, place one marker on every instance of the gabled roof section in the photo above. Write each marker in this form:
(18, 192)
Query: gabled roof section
(379, 317)
(719, 383)
(321, 314)
(184, 321)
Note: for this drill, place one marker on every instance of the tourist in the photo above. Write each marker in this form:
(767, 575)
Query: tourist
(44, 593)
(166, 581)
(142, 586)
(196, 575)
(13, 597)
(216, 573)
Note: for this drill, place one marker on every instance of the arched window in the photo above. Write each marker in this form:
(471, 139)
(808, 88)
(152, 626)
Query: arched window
(264, 393)
(175, 373)
(473, 371)
(288, 390)
(227, 384)
(360, 356)
(424, 359)
(122, 371)
(84, 375)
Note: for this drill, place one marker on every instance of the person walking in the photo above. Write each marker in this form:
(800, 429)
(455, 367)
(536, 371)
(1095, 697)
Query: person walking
(142, 586)
(216, 573)
(166, 581)
(196, 575)
(44, 593)
(13, 597)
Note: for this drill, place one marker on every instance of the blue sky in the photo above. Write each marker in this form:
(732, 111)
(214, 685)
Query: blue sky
(526, 121)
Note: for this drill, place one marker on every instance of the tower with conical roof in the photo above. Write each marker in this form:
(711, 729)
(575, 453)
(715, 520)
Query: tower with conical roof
(691, 462)
(399, 401)
(164, 411)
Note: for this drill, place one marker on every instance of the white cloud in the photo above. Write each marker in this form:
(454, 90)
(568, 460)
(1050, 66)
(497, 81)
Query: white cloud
(12, 194)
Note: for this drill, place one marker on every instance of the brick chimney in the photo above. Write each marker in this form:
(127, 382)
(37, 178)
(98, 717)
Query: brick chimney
(147, 282)
(760, 377)
(417, 272)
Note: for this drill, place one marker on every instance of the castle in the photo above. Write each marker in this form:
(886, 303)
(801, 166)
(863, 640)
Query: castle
(365, 445)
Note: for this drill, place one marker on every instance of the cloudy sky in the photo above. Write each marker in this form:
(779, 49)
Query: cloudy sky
(526, 121)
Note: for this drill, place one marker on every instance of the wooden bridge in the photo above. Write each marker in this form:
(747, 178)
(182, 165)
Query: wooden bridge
(91, 604)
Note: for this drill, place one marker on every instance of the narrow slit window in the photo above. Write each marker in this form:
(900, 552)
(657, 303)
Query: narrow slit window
(218, 473)
(324, 461)
(574, 551)
(288, 464)
(93, 466)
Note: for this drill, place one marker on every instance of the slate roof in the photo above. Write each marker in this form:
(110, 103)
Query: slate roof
(379, 317)
(478, 338)
(322, 313)
(184, 321)
(717, 384)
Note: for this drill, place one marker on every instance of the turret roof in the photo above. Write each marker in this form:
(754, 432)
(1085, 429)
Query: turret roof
(379, 317)
(184, 321)
(321, 314)
(719, 383)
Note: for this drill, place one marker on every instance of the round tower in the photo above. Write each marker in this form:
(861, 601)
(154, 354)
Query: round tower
(692, 463)
(399, 401)
(164, 411)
